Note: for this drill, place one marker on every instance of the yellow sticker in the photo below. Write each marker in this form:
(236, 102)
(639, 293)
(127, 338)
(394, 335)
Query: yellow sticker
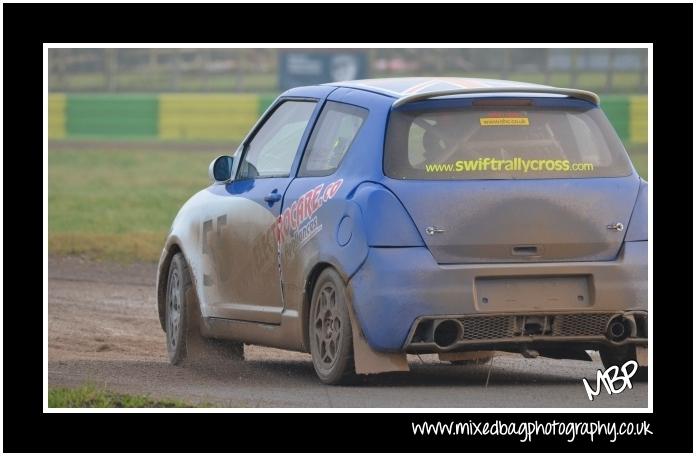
(507, 121)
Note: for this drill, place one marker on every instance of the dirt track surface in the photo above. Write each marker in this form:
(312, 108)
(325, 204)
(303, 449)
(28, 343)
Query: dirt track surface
(103, 329)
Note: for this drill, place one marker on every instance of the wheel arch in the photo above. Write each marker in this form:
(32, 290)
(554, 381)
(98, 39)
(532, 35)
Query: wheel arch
(308, 291)
(168, 253)
(367, 361)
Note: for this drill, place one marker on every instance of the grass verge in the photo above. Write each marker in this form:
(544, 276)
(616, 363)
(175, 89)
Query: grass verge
(88, 396)
(117, 204)
(141, 246)
(114, 204)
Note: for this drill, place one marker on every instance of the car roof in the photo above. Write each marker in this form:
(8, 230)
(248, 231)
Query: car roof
(415, 88)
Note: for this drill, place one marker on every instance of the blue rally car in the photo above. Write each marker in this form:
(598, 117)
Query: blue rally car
(360, 221)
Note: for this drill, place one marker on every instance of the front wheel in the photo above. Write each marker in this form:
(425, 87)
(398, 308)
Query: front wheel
(330, 332)
(182, 315)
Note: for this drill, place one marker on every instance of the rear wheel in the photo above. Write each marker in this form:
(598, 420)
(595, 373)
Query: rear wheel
(182, 316)
(620, 356)
(330, 332)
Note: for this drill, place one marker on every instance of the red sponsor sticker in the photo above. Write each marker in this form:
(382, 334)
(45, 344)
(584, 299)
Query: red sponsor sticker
(505, 114)
(303, 209)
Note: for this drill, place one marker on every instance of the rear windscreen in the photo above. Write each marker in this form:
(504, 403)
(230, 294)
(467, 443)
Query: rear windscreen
(520, 141)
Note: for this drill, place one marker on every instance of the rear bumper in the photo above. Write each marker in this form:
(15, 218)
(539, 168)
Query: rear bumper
(397, 288)
(510, 331)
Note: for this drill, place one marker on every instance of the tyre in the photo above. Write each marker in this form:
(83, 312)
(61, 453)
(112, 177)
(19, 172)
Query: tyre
(330, 332)
(182, 316)
(620, 356)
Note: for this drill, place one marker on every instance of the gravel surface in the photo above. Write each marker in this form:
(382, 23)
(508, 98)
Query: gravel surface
(103, 328)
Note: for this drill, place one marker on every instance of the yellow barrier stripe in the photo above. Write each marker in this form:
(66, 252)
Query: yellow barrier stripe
(206, 116)
(638, 119)
(56, 115)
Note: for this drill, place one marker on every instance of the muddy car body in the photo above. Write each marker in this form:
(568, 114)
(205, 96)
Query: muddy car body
(364, 220)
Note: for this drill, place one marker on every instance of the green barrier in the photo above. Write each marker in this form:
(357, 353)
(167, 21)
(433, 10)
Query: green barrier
(112, 116)
(617, 109)
(265, 100)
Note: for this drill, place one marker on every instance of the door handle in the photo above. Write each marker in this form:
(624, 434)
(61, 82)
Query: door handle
(272, 197)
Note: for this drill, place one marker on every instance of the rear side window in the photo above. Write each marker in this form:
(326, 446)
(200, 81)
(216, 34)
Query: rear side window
(498, 142)
(336, 129)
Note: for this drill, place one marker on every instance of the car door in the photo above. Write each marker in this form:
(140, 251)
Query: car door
(246, 275)
(312, 208)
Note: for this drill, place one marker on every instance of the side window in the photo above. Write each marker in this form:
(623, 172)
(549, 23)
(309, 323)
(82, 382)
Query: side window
(272, 149)
(336, 128)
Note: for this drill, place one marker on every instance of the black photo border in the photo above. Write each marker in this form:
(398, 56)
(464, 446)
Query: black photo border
(27, 26)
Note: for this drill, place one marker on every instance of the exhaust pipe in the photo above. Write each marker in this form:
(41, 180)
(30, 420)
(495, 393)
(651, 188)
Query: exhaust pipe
(447, 333)
(621, 328)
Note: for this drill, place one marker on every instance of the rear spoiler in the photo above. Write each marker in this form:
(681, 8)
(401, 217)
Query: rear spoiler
(573, 93)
